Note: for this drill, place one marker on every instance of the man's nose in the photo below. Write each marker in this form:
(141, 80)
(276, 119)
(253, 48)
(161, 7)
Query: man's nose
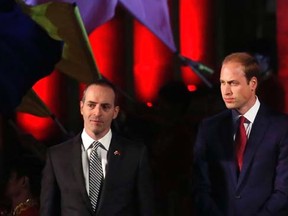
(227, 90)
(97, 110)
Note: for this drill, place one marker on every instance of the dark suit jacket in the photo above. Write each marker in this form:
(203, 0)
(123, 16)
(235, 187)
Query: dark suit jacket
(262, 186)
(127, 188)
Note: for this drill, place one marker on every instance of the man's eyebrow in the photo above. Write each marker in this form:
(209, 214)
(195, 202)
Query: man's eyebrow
(229, 81)
(106, 104)
(91, 102)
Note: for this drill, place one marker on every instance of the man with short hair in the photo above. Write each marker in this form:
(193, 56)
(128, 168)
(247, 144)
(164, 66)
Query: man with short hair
(121, 183)
(241, 167)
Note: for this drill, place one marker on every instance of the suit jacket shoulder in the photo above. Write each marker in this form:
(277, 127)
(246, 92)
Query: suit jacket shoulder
(124, 151)
(216, 121)
(66, 145)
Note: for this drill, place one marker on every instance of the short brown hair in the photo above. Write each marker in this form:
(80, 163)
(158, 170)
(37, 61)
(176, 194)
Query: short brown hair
(250, 64)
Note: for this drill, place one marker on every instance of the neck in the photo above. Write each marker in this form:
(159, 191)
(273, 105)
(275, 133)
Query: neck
(248, 106)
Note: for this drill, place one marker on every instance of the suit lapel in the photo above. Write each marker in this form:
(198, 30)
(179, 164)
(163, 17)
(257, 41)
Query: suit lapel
(226, 131)
(258, 130)
(78, 170)
(115, 154)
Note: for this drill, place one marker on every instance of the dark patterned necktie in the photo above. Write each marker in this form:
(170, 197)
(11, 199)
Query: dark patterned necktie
(95, 175)
(240, 141)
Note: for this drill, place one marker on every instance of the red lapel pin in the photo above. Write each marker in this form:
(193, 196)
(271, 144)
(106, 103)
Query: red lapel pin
(117, 153)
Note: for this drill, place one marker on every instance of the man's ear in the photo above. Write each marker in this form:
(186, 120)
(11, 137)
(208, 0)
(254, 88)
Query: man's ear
(24, 181)
(116, 111)
(253, 83)
(81, 106)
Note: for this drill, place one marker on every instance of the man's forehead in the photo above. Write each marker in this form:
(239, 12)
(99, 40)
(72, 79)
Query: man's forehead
(237, 70)
(232, 67)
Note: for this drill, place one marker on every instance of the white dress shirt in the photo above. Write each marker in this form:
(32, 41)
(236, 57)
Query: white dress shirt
(101, 151)
(250, 116)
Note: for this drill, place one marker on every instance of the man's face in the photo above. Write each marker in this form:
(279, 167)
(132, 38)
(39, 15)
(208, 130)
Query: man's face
(98, 110)
(236, 91)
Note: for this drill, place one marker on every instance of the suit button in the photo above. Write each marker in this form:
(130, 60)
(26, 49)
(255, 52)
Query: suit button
(237, 197)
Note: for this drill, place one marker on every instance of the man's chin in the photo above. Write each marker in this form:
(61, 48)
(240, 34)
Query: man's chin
(97, 131)
(230, 106)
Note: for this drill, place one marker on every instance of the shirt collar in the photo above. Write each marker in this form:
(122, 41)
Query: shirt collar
(252, 112)
(250, 115)
(87, 140)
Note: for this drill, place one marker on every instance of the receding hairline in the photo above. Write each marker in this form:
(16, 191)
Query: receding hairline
(239, 57)
(250, 65)
(102, 84)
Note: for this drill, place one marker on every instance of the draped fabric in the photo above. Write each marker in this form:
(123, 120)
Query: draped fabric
(27, 54)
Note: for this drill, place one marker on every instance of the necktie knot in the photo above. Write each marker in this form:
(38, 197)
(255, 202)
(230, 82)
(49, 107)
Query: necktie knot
(95, 145)
(242, 120)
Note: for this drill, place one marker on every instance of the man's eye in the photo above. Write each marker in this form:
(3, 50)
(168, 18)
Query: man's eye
(106, 107)
(91, 105)
(234, 83)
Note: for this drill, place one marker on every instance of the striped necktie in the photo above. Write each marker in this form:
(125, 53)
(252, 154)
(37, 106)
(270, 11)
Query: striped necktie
(95, 175)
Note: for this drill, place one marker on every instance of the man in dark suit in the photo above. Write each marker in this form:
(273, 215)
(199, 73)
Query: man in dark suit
(254, 182)
(126, 187)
